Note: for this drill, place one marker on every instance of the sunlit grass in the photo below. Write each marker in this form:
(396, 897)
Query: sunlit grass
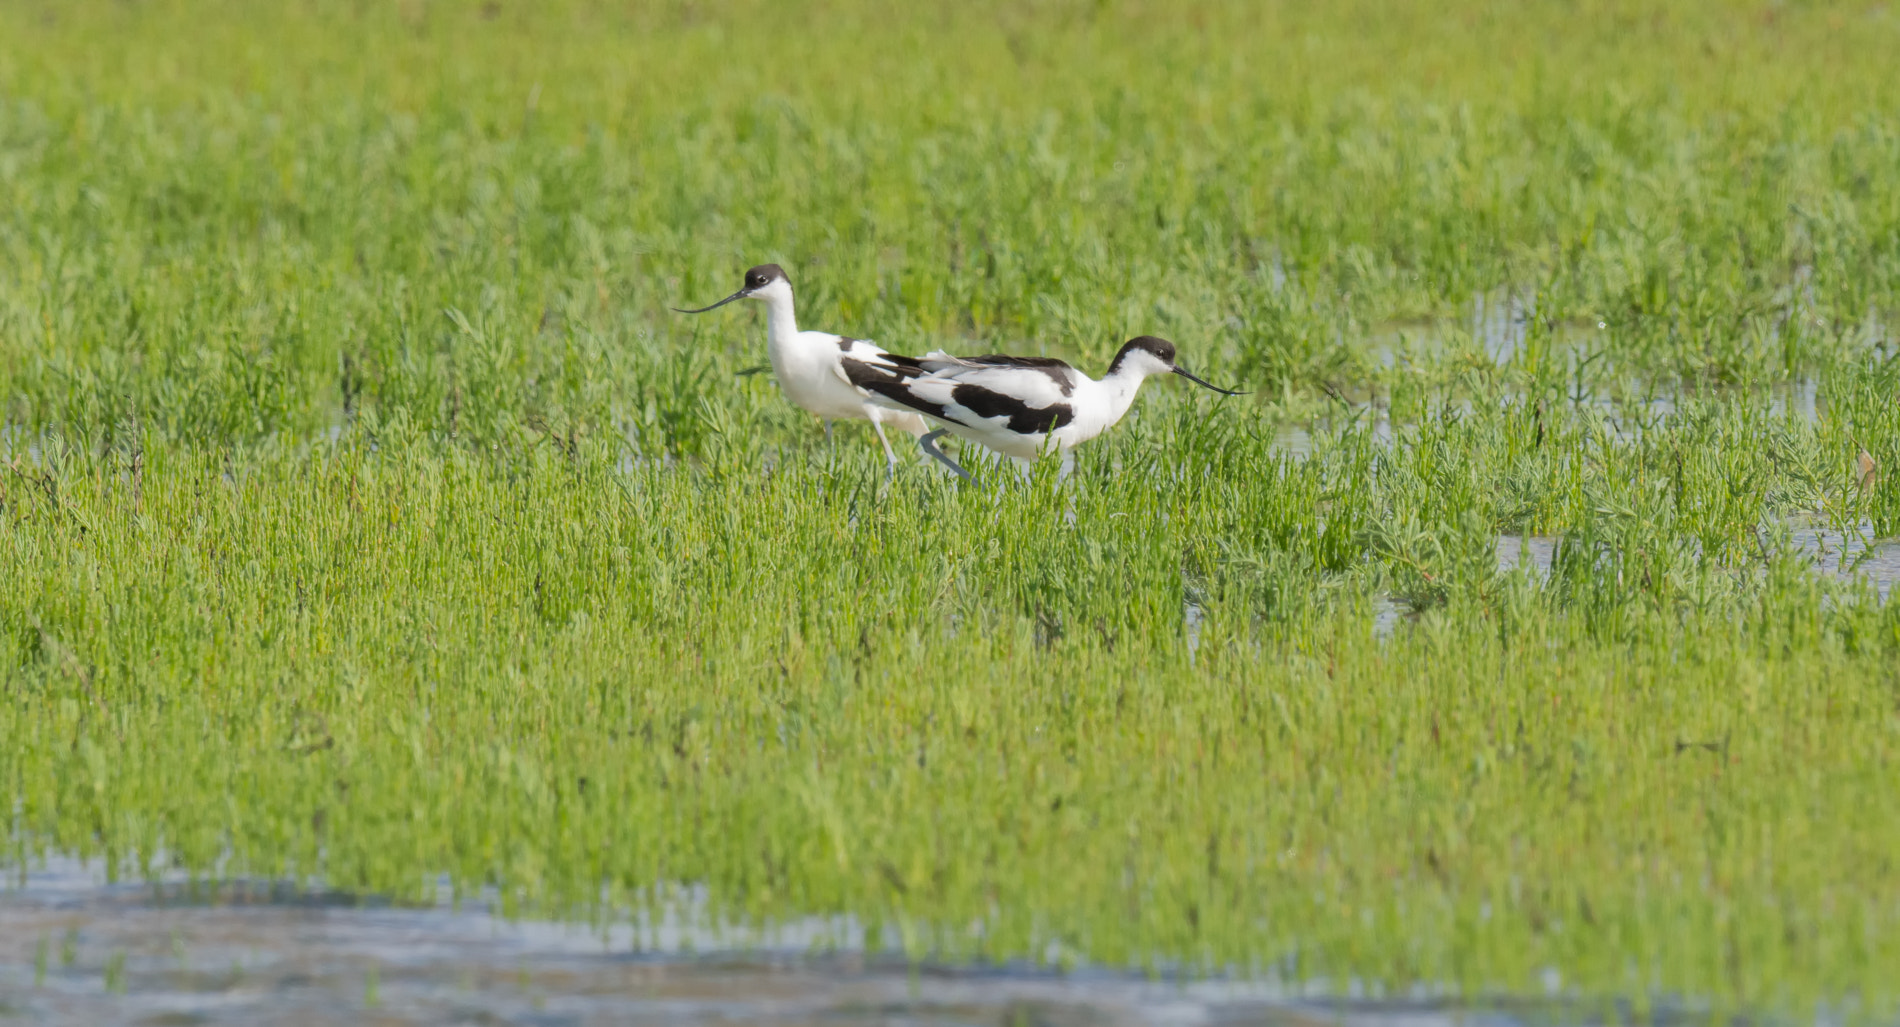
(364, 516)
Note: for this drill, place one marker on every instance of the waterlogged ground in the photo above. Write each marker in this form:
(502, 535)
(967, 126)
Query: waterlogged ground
(369, 526)
(75, 949)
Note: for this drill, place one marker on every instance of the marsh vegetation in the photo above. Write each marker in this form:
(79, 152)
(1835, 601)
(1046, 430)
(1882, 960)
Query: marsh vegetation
(365, 517)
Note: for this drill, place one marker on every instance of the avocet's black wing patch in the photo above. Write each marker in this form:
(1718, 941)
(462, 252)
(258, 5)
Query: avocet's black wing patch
(862, 373)
(1023, 418)
(1027, 400)
(891, 382)
(868, 354)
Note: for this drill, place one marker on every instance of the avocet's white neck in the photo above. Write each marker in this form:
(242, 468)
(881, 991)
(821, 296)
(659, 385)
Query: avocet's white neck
(781, 324)
(1117, 392)
(1118, 387)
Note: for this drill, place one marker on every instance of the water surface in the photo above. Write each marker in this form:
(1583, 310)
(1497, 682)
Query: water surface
(77, 950)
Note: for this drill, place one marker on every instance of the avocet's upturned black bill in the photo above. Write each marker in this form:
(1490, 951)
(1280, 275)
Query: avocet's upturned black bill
(809, 365)
(756, 279)
(1021, 407)
(1182, 371)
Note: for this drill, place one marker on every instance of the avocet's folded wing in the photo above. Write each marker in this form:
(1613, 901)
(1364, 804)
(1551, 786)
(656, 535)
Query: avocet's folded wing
(1026, 396)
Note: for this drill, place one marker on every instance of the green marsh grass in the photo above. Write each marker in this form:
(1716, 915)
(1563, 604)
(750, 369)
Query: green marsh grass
(365, 517)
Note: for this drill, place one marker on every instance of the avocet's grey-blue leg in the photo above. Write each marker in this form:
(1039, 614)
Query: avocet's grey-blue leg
(929, 444)
(876, 417)
(827, 423)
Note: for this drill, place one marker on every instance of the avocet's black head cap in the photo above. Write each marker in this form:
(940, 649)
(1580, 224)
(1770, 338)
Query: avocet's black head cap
(763, 275)
(1162, 350)
(755, 279)
(1154, 345)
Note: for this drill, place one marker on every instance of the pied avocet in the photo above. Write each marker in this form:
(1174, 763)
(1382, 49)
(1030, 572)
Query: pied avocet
(1021, 407)
(809, 365)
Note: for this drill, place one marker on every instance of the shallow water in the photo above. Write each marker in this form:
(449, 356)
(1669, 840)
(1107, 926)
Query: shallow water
(1500, 321)
(1843, 555)
(77, 950)
(1834, 553)
(1533, 552)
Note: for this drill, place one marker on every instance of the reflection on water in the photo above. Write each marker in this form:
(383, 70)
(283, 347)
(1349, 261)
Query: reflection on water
(1532, 552)
(1845, 555)
(1500, 320)
(1799, 399)
(1386, 615)
(1842, 556)
(1836, 554)
(74, 950)
(1294, 442)
(1629, 413)
(1191, 618)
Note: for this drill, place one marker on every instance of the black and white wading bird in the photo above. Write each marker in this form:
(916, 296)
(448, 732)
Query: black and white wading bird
(810, 365)
(1021, 407)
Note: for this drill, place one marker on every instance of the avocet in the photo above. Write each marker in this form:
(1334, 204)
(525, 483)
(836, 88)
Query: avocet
(1021, 407)
(810, 365)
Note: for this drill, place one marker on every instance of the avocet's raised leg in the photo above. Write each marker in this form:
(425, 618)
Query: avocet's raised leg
(877, 424)
(928, 442)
